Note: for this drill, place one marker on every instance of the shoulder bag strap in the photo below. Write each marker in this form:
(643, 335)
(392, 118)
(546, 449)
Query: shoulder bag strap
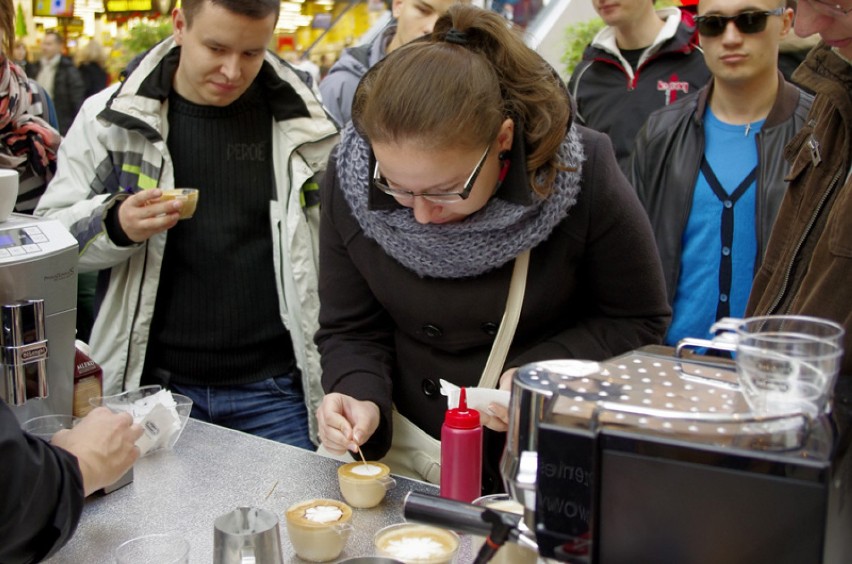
(500, 349)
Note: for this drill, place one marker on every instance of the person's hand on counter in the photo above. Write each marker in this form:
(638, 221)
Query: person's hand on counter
(104, 444)
(346, 423)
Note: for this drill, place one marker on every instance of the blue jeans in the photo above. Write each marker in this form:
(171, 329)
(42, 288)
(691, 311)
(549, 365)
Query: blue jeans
(273, 408)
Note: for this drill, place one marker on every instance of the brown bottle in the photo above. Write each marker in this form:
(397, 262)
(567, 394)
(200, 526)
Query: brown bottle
(88, 382)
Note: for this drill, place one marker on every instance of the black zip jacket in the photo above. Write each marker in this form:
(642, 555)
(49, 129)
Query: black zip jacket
(41, 494)
(665, 163)
(615, 100)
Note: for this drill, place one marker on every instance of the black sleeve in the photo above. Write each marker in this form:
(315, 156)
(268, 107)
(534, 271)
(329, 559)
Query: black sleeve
(41, 494)
(355, 338)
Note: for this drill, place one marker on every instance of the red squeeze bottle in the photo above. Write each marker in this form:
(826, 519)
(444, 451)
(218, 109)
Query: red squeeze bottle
(461, 453)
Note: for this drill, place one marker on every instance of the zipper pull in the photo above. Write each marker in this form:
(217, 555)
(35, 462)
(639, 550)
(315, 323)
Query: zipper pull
(813, 147)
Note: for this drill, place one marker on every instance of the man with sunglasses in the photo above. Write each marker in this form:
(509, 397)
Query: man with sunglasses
(642, 60)
(709, 169)
(808, 262)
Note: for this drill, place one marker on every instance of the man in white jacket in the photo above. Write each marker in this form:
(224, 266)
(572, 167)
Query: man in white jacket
(209, 108)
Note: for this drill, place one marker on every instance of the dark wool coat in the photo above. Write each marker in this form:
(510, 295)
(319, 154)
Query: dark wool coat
(594, 290)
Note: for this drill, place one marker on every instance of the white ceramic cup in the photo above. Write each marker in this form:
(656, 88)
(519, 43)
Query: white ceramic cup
(413, 543)
(8, 192)
(319, 528)
(363, 484)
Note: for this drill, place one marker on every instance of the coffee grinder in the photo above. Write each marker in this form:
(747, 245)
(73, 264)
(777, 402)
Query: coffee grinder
(38, 314)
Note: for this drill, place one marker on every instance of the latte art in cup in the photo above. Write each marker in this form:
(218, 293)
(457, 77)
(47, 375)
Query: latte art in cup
(417, 544)
(318, 528)
(364, 485)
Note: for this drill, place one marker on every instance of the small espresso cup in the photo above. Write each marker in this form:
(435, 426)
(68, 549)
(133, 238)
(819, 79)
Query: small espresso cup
(364, 485)
(413, 543)
(318, 528)
(189, 197)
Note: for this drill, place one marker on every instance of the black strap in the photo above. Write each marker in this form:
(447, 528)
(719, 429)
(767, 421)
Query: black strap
(726, 269)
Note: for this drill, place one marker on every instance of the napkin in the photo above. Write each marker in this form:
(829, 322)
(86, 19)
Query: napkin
(477, 398)
(158, 417)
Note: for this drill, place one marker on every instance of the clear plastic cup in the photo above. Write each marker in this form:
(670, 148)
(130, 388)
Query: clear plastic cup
(45, 426)
(165, 548)
(788, 364)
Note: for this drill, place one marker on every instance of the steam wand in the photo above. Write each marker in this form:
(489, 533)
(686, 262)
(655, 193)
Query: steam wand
(496, 526)
(502, 524)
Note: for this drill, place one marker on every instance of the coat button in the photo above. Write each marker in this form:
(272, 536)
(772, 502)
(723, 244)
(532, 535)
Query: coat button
(489, 328)
(432, 331)
(429, 387)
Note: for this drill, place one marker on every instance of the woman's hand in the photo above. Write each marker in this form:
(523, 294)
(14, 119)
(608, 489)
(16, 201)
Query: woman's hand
(346, 423)
(496, 417)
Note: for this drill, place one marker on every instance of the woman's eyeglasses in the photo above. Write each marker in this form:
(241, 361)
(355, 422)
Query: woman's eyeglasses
(439, 197)
(829, 8)
(746, 22)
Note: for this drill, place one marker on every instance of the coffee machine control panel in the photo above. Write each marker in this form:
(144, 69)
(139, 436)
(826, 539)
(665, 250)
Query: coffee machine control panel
(23, 238)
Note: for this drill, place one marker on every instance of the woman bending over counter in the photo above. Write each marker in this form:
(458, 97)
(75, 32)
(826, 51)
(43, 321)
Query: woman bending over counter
(462, 154)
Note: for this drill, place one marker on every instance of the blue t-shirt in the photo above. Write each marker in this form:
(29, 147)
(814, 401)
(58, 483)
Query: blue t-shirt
(731, 152)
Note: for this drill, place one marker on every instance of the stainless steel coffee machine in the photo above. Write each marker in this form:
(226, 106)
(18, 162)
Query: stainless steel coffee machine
(38, 313)
(656, 457)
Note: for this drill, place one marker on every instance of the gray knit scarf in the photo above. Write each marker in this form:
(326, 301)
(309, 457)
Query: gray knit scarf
(485, 240)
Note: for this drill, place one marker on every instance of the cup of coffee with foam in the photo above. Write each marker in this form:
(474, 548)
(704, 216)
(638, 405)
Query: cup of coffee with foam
(318, 528)
(364, 484)
(189, 196)
(413, 543)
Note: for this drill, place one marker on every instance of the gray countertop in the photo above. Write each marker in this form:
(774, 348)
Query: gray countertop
(211, 471)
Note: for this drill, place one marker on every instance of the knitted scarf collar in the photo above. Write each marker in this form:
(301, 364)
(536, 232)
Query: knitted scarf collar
(483, 241)
(26, 140)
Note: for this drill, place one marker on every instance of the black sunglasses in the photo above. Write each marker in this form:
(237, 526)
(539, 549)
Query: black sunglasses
(746, 22)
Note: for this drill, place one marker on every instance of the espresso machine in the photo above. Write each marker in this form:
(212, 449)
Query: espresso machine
(38, 314)
(655, 456)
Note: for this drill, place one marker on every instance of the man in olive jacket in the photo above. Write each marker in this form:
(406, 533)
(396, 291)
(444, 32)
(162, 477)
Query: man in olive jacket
(709, 169)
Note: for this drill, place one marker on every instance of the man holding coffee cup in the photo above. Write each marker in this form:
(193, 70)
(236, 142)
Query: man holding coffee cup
(211, 108)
